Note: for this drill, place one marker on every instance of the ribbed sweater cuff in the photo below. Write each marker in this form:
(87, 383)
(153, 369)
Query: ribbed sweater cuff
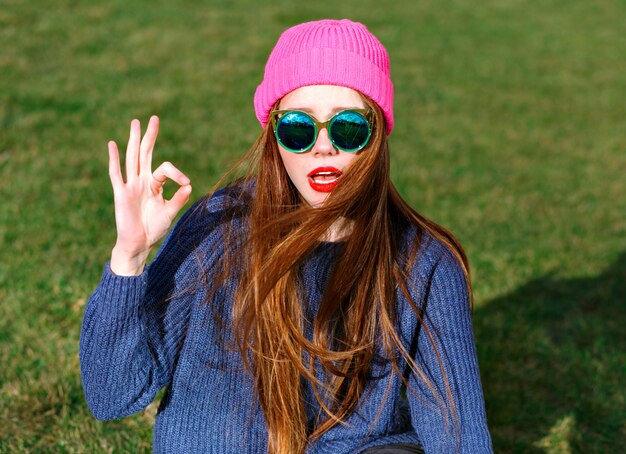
(119, 296)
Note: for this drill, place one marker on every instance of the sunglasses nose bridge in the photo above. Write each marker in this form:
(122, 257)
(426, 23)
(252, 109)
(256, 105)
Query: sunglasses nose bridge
(319, 125)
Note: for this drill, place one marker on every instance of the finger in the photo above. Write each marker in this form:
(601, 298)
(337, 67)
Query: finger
(178, 200)
(166, 171)
(147, 145)
(115, 172)
(132, 150)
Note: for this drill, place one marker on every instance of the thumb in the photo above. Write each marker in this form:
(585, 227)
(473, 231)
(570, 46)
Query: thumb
(178, 200)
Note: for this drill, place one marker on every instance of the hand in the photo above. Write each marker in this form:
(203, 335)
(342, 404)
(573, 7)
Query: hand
(142, 215)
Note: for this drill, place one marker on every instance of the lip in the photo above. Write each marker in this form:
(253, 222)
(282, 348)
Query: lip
(323, 187)
(324, 169)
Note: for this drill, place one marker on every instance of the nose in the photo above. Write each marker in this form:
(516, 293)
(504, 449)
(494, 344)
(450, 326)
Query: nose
(323, 146)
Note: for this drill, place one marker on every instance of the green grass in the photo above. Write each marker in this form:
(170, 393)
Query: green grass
(510, 131)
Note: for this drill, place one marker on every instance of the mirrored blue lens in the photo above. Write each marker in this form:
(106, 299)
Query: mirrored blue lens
(295, 131)
(349, 131)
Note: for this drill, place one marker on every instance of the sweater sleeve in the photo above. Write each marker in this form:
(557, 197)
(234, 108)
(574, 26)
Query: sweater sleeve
(134, 326)
(447, 316)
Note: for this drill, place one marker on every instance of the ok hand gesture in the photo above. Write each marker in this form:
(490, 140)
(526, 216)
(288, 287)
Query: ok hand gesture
(142, 215)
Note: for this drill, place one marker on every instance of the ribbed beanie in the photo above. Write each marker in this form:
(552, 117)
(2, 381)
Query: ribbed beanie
(326, 52)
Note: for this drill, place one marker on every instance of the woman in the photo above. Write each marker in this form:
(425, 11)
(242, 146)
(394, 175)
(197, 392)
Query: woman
(304, 307)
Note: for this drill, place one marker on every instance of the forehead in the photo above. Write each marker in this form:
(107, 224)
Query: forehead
(322, 100)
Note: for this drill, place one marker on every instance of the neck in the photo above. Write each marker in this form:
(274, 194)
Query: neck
(338, 231)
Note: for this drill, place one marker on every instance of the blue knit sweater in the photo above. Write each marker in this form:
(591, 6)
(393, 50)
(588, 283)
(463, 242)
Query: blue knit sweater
(141, 334)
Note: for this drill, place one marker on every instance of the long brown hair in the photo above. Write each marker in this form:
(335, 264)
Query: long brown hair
(357, 311)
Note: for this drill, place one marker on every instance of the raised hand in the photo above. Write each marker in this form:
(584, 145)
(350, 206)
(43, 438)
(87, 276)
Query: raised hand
(142, 215)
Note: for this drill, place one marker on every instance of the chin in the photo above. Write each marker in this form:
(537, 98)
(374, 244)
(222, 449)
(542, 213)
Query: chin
(316, 200)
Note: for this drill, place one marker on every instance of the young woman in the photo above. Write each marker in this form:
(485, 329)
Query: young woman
(304, 307)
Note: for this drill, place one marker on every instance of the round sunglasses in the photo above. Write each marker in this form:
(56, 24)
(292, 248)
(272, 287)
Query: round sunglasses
(296, 131)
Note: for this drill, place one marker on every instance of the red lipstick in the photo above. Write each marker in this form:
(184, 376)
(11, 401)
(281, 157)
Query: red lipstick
(324, 179)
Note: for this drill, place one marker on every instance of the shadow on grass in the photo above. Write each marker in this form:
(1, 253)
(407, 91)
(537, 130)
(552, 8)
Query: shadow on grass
(553, 364)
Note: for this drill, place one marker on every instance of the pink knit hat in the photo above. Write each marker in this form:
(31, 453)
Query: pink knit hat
(326, 52)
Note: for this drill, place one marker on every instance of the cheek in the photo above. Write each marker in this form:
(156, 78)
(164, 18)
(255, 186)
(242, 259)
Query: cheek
(290, 162)
(350, 157)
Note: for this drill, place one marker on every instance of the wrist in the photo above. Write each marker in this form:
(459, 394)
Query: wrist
(125, 263)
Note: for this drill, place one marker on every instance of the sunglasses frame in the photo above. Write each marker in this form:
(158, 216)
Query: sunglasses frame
(318, 125)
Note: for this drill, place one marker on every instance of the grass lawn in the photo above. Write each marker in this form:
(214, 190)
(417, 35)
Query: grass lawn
(510, 131)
